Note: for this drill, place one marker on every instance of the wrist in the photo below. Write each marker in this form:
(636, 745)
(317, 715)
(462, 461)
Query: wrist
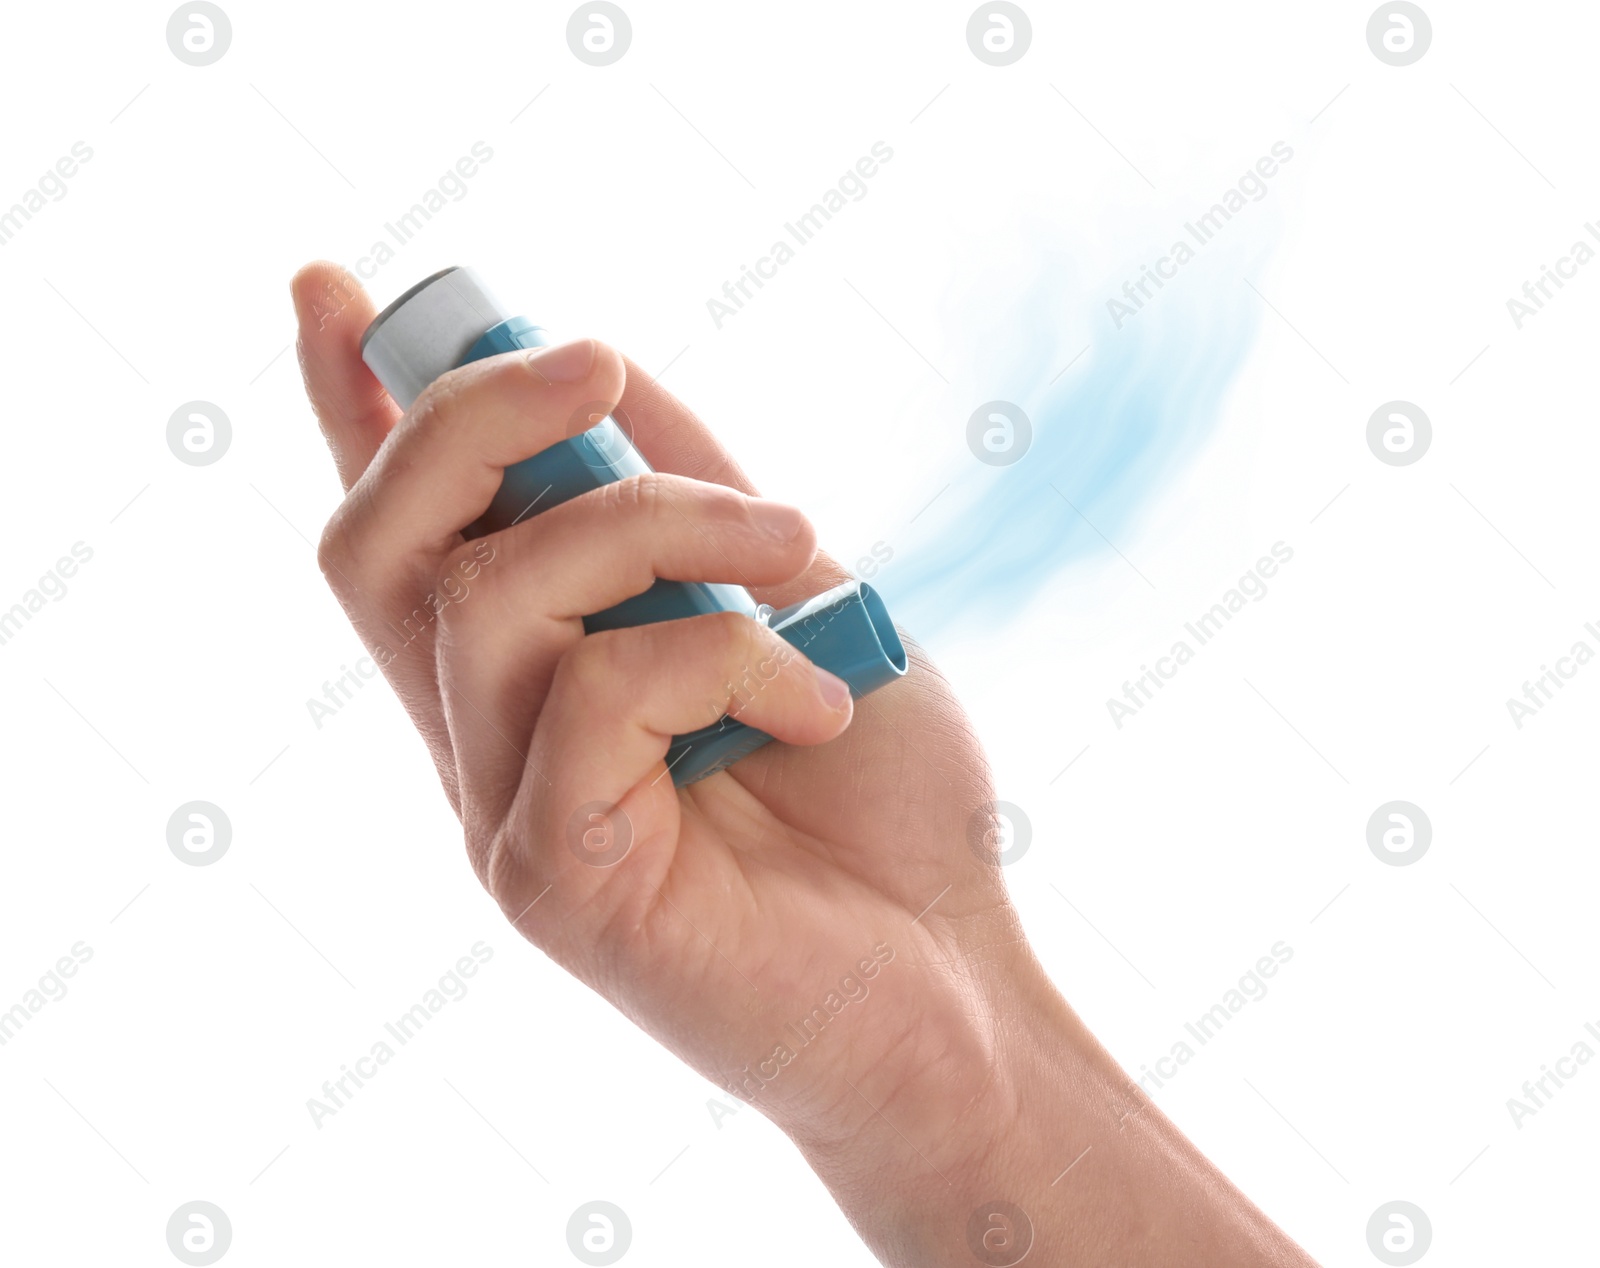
(1028, 1141)
(924, 1143)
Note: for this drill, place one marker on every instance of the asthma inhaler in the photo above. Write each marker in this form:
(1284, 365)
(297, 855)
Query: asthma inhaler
(449, 319)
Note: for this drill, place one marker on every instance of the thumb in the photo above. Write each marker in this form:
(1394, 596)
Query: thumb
(352, 407)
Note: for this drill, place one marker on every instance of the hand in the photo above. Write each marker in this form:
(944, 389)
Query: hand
(745, 898)
(811, 929)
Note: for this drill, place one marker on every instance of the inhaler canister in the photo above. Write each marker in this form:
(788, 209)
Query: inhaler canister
(451, 318)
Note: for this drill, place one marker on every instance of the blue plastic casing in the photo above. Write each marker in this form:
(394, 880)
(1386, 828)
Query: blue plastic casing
(846, 630)
(586, 461)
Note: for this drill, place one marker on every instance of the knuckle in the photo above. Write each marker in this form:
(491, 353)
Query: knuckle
(442, 402)
(334, 547)
(502, 868)
(446, 403)
(436, 404)
(734, 629)
(643, 496)
(497, 867)
(737, 635)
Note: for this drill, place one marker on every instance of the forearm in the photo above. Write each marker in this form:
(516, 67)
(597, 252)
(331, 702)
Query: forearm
(1058, 1156)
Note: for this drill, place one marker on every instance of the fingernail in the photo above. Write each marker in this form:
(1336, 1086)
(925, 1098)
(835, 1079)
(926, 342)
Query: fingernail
(566, 363)
(777, 519)
(834, 692)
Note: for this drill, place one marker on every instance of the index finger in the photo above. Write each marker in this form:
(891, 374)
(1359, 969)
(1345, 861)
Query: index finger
(673, 439)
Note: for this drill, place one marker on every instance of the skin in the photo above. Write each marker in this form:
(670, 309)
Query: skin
(832, 875)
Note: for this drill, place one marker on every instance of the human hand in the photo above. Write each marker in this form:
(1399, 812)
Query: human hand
(811, 928)
(744, 898)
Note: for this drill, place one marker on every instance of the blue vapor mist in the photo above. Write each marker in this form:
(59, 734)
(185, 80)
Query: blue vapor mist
(1108, 435)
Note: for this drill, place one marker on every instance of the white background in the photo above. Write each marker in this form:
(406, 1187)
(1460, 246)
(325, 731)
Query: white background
(1228, 815)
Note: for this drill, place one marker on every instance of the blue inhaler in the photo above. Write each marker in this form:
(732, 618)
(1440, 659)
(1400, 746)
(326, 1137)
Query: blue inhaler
(450, 319)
